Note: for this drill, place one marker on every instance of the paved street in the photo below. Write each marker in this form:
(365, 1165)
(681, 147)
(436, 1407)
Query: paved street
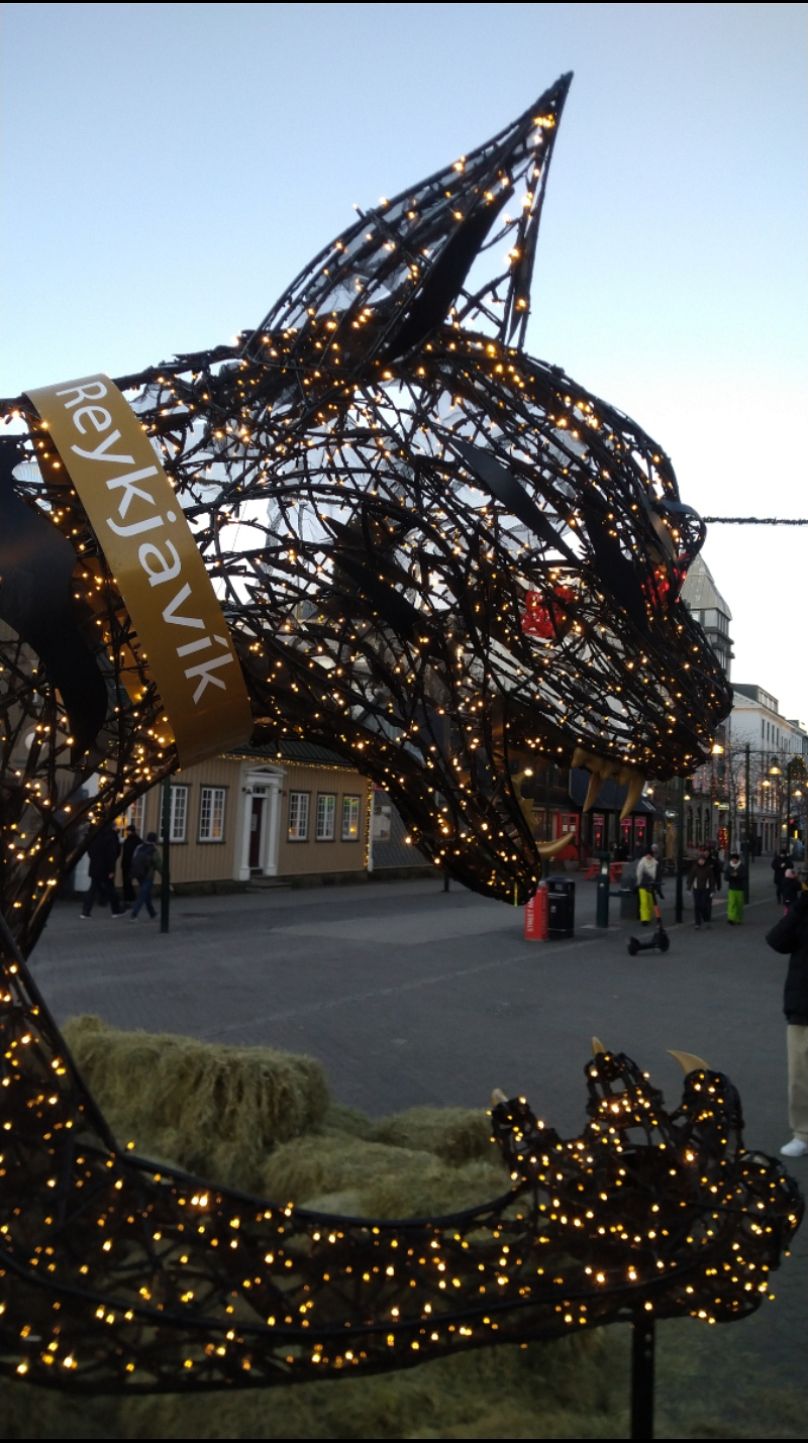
(408, 995)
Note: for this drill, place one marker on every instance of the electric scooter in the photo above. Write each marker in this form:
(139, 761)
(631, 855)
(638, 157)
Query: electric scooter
(659, 941)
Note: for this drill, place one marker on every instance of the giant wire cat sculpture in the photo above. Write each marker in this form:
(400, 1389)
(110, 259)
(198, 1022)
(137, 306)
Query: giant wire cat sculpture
(451, 564)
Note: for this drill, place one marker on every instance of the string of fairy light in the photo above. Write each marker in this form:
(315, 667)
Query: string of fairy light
(445, 561)
(756, 521)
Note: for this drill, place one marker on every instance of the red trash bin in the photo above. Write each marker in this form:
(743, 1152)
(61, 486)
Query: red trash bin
(537, 915)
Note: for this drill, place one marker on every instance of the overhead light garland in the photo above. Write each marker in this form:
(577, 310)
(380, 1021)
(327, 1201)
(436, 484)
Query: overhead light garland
(756, 521)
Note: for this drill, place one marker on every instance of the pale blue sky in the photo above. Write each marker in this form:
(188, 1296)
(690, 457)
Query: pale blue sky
(169, 168)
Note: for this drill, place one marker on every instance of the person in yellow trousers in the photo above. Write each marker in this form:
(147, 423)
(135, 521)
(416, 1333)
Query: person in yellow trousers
(648, 885)
(735, 877)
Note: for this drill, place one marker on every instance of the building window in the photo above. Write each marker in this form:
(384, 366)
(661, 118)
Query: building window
(326, 816)
(298, 817)
(136, 815)
(211, 814)
(179, 814)
(351, 809)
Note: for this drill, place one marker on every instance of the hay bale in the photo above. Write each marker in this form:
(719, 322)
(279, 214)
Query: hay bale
(341, 1121)
(311, 1166)
(455, 1134)
(434, 1189)
(208, 1107)
(347, 1174)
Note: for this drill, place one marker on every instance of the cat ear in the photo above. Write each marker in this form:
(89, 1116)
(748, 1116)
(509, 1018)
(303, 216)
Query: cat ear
(383, 286)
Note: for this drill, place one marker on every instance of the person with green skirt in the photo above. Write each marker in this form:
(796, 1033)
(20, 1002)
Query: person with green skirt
(735, 875)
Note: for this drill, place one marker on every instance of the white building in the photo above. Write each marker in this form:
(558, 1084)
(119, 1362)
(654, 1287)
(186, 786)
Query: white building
(765, 769)
(757, 721)
(705, 813)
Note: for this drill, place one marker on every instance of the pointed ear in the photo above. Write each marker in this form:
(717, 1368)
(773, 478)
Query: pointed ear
(395, 274)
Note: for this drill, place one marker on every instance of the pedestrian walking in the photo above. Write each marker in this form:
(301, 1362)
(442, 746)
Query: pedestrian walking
(146, 861)
(735, 877)
(103, 853)
(700, 883)
(131, 843)
(780, 863)
(789, 888)
(648, 878)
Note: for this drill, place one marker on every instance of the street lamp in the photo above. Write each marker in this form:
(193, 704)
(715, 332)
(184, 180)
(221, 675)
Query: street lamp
(764, 759)
(795, 771)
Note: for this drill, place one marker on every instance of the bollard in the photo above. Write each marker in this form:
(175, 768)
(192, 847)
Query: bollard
(603, 885)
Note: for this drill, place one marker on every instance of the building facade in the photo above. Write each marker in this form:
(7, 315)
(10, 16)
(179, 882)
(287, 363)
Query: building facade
(700, 804)
(260, 813)
(764, 771)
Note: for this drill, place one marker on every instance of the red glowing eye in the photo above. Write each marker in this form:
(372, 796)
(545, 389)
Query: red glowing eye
(547, 615)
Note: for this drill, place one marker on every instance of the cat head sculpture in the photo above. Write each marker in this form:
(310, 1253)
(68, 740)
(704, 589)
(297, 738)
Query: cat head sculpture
(439, 557)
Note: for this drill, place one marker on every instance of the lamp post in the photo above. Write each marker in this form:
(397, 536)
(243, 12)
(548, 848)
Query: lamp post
(680, 846)
(748, 804)
(794, 772)
(776, 771)
(165, 875)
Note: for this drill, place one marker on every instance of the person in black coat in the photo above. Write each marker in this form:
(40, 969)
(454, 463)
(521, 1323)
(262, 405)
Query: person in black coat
(700, 884)
(103, 853)
(780, 864)
(131, 842)
(790, 887)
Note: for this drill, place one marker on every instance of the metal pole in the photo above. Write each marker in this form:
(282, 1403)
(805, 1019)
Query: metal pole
(680, 849)
(642, 1376)
(748, 847)
(165, 875)
(603, 885)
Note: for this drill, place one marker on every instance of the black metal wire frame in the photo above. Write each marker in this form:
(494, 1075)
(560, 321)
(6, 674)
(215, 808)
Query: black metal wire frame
(446, 561)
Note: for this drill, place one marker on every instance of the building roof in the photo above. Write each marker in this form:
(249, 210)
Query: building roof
(290, 749)
(751, 692)
(700, 592)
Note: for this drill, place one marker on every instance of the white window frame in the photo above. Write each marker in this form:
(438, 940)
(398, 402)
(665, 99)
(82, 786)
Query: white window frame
(212, 801)
(136, 815)
(351, 818)
(298, 823)
(178, 822)
(326, 820)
